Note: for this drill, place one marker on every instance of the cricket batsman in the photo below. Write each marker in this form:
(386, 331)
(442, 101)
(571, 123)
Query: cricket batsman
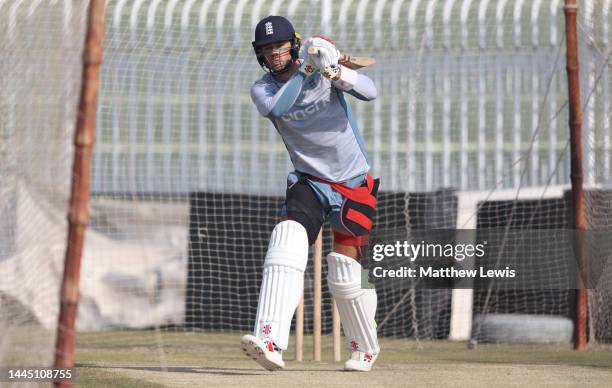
(304, 96)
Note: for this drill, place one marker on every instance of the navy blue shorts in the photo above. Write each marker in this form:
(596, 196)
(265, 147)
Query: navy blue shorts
(330, 199)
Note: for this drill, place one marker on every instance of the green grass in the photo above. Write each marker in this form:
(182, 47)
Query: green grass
(153, 359)
(92, 376)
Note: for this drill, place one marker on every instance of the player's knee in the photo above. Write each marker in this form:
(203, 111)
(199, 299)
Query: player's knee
(288, 246)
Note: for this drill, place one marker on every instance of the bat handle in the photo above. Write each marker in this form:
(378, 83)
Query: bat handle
(313, 51)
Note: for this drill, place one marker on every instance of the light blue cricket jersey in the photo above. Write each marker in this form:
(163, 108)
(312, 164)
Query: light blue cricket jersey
(316, 123)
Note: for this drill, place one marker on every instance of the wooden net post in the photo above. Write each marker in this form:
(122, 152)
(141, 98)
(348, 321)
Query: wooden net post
(78, 215)
(575, 117)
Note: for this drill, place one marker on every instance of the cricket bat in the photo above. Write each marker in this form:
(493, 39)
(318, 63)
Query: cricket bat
(348, 60)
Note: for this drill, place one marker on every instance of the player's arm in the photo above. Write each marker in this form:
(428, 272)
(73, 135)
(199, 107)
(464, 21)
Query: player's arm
(356, 84)
(276, 104)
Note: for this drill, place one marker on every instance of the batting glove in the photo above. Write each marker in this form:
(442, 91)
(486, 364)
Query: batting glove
(325, 56)
(307, 67)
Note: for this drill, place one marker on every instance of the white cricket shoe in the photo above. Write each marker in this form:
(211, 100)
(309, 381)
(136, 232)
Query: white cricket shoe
(360, 361)
(264, 353)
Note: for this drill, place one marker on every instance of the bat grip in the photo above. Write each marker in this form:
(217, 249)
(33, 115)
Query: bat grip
(313, 51)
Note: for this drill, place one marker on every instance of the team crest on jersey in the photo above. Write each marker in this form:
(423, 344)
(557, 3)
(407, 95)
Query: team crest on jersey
(269, 28)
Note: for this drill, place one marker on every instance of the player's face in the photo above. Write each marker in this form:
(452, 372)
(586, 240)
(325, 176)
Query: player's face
(277, 54)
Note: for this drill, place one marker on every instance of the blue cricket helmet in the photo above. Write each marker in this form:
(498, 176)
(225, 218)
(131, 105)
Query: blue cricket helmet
(274, 29)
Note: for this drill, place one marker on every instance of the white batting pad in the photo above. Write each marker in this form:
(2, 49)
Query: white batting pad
(283, 281)
(357, 306)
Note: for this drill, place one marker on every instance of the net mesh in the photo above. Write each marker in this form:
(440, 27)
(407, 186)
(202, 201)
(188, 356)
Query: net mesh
(41, 76)
(596, 62)
(472, 97)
